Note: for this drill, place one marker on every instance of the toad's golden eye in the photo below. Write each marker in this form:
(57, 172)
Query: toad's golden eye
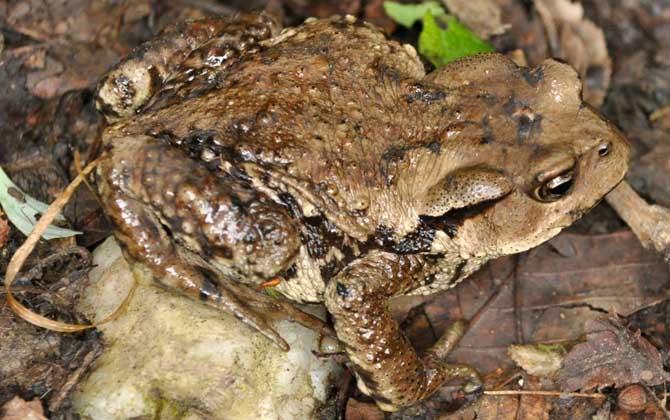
(555, 188)
(604, 149)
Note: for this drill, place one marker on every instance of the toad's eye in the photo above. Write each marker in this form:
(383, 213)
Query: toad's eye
(604, 149)
(555, 188)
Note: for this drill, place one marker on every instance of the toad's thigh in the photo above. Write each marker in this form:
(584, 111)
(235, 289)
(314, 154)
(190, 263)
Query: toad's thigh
(219, 217)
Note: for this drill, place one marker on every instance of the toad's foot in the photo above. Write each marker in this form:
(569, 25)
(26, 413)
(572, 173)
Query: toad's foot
(278, 309)
(386, 366)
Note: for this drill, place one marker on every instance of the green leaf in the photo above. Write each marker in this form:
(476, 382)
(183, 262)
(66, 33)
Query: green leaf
(22, 209)
(444, 39)
(408, 14)
(273, 293)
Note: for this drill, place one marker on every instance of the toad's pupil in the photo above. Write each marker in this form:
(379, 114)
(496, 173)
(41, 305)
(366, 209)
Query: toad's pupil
(604, 150)
(562, 188)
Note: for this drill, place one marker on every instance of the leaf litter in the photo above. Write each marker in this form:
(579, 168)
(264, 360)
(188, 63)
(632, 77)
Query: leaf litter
(545, 296)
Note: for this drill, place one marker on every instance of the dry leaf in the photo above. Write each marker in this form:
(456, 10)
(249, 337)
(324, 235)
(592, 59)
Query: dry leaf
(547, 297)
(579, 42)
(537, 360)
(374, 12)
(483, 17)
(612, 355)
(357, 410)
(488, 407)
(324, 8)
(18, 409)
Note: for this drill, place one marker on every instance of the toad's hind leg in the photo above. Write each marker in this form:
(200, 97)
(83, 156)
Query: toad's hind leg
(386, 365)
(157, 197)
(192, 50)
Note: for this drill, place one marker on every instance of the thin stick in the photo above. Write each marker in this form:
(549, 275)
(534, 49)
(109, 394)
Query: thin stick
(27, 247)
(558, 394)
(650, 223)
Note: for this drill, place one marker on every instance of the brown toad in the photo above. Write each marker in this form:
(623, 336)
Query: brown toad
(324, 156)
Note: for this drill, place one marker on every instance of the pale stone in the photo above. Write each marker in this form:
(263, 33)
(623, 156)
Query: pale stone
(170, 357)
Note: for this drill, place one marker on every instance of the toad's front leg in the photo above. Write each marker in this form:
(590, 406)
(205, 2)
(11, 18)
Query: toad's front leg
(162, 202)
(386, 365)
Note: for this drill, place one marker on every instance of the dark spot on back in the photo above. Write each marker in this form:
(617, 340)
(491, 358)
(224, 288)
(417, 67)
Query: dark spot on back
(198, 141)
(513, 105)
(384, 236)
(458, 271)
(419, 240)
(532, 76)
(487, 135)
(240, 174)
(292, 204)
(489, 98)
(443, 223)
(527, 127)
(424, 94)
(329, 269)
(394, 152)
(290, 272)
(165, 136)
(237, 202)
(318, 235)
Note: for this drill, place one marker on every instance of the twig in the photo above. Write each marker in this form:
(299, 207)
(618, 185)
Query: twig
(557, 394)
(73, 379)
(659, 403)
(26, 248)
(650, 223)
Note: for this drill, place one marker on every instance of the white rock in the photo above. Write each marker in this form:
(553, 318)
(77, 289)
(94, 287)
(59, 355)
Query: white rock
(170, 357)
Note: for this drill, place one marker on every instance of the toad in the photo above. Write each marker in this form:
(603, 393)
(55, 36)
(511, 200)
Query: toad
(324, 158)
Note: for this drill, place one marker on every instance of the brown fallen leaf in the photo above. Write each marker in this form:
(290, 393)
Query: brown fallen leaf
(483, 17)
(68, 66)
(612, 355)
(546, 296)
(18, 409)
(357, 410)
(79, 21)
(326, 8)
(73, 42)
(374, 12)
(537, 360)
(579, 42)
(488, 407)
(535, 407)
